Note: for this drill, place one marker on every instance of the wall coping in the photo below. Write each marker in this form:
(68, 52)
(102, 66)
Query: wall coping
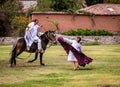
(66, 13)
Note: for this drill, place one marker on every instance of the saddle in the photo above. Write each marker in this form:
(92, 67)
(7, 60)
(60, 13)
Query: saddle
(33, 47)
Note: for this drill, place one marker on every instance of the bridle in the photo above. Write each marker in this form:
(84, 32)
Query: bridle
(47, 37)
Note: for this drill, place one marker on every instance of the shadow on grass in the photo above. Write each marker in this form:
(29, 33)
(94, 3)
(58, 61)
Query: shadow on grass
(86, 69)
(22, 65)
(107, 85)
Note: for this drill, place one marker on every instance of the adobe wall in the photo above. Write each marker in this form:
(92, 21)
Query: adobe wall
(68, 21)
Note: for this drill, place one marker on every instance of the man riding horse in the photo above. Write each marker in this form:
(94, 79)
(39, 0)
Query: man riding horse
(31, 35)
(32, 43)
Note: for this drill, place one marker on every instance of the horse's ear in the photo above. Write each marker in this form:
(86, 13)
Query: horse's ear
(49, 30)
(54, 31)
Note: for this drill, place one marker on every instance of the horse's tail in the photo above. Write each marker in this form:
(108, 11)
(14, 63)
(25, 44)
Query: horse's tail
(13, 53)
(13, 48)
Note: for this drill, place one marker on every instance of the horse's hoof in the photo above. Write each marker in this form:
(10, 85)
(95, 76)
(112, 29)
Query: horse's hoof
(43, 64)
(29, 61)
(11, 65)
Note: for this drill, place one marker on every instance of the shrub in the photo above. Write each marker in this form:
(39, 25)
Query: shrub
(70, 32)
(80, 32)
(87, 32)
(20, 24)
(102, 32)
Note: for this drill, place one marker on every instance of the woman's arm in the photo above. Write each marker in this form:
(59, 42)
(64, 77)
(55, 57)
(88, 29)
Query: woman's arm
(68, 40)
(79, 48)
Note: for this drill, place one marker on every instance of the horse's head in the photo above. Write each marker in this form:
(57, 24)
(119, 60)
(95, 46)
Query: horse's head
(50, 35)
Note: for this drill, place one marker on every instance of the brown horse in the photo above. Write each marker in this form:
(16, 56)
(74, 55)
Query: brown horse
(20, 46)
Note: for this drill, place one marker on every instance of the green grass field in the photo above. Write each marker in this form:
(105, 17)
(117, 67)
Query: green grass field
(104, 71)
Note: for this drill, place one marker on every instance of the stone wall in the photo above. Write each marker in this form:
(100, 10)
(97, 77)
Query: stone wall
(85, 39)
(8, 40)
(99, 39)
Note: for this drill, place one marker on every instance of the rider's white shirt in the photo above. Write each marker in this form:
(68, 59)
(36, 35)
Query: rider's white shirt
(31, 35)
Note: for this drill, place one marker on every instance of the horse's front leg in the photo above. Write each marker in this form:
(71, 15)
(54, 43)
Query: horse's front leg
(36, 56)
(41, 55)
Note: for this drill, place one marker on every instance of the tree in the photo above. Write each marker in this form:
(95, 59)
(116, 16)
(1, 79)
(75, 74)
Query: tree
(2, 2)
(4, 23)
(19, 23)
(8, 9)
(44, 5)
(112, 1)
(66, 5)
(92, 2)
(59, 5)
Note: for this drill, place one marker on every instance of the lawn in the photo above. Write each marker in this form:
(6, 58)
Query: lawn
(104, 71)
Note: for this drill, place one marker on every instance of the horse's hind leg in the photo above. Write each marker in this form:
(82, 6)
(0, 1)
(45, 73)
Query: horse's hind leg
(36, 55)
(18, 52)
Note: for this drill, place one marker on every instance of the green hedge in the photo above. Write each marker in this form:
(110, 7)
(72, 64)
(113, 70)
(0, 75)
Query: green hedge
(87, 32)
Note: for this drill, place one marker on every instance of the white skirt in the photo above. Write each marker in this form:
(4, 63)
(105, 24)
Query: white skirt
(71, 57)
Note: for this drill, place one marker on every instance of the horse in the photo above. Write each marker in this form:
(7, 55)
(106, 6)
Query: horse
(20, 46)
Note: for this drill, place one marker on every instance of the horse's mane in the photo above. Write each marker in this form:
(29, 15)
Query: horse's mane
(43, 35)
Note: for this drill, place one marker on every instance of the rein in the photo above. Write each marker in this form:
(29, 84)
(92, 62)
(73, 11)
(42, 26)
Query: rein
(46, 36)
(50, 41)
(25, 57)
